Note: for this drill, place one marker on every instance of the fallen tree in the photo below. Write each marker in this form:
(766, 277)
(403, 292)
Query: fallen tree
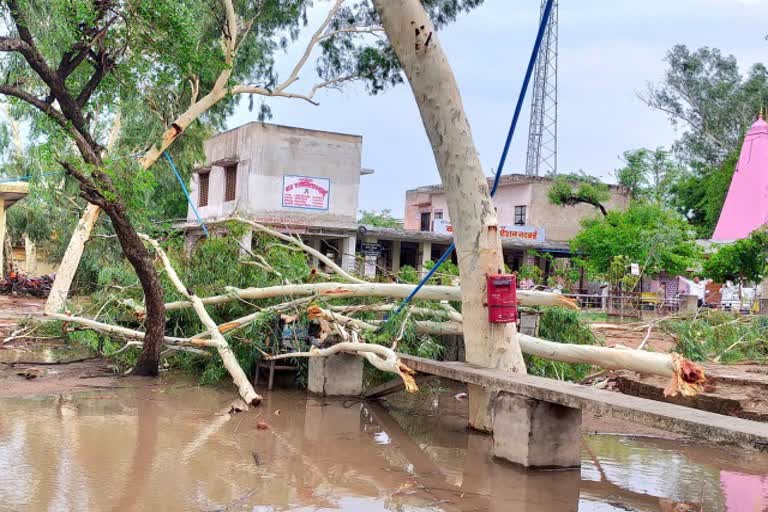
(686, 378)
(344, 290)
(426, 318)
(222, 347)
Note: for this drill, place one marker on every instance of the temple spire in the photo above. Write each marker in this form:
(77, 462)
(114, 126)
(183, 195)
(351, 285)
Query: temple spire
(746, 205)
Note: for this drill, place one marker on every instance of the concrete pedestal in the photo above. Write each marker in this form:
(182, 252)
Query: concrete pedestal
(536, 434)
(689, 303)
(336, 375)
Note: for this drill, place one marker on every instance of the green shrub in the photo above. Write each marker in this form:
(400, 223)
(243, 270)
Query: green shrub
(563, 326)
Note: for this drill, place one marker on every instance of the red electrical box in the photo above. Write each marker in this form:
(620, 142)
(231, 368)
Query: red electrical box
(502, 298)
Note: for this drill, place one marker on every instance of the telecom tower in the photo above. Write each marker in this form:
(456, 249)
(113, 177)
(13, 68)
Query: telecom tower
(542, 134)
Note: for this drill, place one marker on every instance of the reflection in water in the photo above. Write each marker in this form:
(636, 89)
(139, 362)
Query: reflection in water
(168, 448)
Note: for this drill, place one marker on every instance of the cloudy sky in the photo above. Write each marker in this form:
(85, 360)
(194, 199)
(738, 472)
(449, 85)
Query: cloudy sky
(609, 51)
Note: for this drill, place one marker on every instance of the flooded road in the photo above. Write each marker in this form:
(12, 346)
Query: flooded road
(164, 447)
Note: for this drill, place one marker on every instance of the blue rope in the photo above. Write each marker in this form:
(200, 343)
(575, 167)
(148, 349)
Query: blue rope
(28, 177)
(513, 126)
(186, 192)
(523, 90)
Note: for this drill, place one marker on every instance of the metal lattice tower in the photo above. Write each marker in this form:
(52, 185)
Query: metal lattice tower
(542, 134)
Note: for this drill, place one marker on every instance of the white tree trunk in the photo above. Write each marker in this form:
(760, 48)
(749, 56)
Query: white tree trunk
(57, 299)
(30, 255)
(686, 378)
(429, 292)
(471, 210)
(225, 352)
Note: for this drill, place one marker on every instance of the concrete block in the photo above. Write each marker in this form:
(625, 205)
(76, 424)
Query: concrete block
(336, 375)
(689, 303)
(529, 323)
(536, 434)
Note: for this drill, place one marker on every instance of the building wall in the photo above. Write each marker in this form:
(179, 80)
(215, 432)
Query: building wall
(560, 223)
(507, 197)
(266, 153)
(41, 266)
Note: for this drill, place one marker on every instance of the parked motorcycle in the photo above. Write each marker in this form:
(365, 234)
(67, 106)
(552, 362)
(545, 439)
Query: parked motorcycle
(22, 284)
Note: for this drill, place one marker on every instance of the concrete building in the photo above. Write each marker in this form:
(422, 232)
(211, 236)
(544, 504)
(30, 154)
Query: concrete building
(522, 204)
(526, 217)
(303, 181)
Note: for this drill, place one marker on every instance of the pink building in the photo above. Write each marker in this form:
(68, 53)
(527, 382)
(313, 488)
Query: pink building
(746, 205)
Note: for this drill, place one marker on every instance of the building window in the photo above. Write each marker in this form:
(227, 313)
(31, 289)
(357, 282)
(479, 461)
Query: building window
(520, 215)
(202, 199)
(230, 182)
(439, 215)
(426, 224)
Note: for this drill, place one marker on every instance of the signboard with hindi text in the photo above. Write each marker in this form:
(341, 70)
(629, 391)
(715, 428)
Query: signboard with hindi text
(306, 192)
(444, 227)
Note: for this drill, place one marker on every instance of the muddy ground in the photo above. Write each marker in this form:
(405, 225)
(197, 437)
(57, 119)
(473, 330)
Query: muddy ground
(734, 390)
(33, 366)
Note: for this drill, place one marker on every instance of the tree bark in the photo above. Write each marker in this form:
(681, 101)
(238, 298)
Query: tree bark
(471, 209)
(138, 256)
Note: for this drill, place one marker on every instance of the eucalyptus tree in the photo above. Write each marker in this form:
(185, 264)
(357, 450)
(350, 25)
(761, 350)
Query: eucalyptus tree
(649, 175)
(148, 70)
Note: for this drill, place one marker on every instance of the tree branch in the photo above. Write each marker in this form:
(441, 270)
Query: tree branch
(100, 71)
(697, 127)
(225, 352)
(354, 30)
(59, 91)
(318, 36)
(89, 190)
(310, 46)
(11, 44)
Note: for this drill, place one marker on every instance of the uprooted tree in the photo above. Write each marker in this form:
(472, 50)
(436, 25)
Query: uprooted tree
(78, 71)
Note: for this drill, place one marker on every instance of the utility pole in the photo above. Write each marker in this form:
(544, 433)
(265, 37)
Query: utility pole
(542, 133)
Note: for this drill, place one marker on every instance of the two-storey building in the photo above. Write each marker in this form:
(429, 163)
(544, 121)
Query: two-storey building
(527, 218)
(301, 181)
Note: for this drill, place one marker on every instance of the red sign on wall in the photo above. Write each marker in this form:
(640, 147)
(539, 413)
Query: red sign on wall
(306, 192)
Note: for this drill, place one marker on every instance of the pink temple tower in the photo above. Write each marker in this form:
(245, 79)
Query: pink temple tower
(746, 205)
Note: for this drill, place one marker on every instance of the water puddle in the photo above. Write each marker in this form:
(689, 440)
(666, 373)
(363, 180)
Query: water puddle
(163, 447)
(44, 353)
